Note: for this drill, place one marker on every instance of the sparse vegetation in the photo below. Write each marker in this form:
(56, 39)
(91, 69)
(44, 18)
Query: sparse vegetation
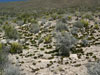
(74, 30)
(65, 42)
(86, 23)
(10, 31)
(1, 48)
(49, 40)
(11, 70)
(34, 28)
(85, 42)
(78, 24)
(93, 68)
(16, 48)
(61, 27)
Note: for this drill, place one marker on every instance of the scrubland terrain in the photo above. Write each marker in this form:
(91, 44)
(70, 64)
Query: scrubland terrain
(50, 42)
(53, 43)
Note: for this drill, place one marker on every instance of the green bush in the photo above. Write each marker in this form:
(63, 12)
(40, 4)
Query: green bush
(69, 17)
(1, 22)
(48, 39)
(96, 26)
(16, 48)
(10, 31)
(86, 23)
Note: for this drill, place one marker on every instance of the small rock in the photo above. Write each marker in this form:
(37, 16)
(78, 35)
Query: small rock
(4, 41)
(74, 56)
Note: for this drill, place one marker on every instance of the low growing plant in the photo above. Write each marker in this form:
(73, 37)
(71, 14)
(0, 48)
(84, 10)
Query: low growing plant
(93, 68)
(78, 24)
(34, 28)
(65, 41)
(61, 27)
(11, 70)
(48, 39)
(10, 31)
(3, 57)
(16, 48)
(86, 23)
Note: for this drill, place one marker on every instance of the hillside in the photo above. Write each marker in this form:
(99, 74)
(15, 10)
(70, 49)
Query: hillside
(52, 44)
(63, 41)
(30, 4)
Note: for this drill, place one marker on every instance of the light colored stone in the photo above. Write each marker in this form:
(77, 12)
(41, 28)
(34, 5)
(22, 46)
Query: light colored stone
(74, 56)
(4, 41)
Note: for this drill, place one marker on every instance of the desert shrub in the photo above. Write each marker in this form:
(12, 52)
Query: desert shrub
(1, 72)
(10, 32)
(0, 28)
(48, 39)
(11, 70)
(84, 42)
(86, 23)
(25, 20)
(16, 48)
(1, 22)
(3, 57)
(64, 19)
(1, 47)
(93, 68)
(34, 28)
(20, 22)
(5, 67)
(40, 40)
(78, 24)
(61, 27)
(2, 53)
(69, 17)
(43, 21)
(74, 30)
(33, 21)
(60, 11)
(88, 16)
(14, 20)
(96, 26)
(54, 16)
(65, 41)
